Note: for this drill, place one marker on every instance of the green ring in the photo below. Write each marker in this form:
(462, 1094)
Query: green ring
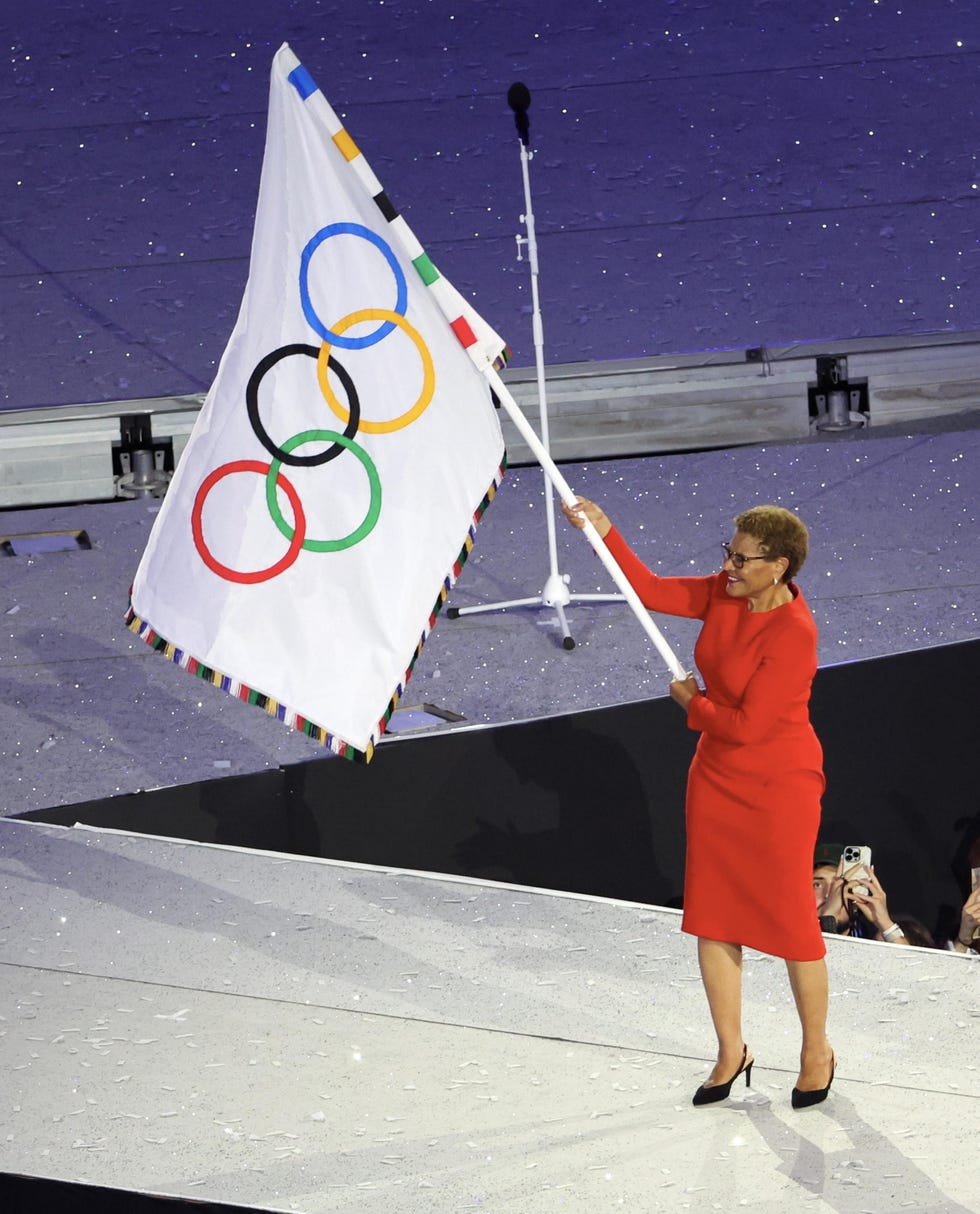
(374, 506)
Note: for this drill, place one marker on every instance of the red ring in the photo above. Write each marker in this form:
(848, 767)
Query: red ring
(299, 522)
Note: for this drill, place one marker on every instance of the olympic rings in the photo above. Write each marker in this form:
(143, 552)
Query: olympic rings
(326, 360)
(374, 507)
(401, 286)
(389, 320)
(197, 528)
(252, 403)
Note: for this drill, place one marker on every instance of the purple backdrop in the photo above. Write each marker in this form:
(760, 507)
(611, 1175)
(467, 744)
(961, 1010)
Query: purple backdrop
(707, 175)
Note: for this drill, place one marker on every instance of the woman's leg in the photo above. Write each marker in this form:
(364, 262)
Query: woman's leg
(809, 982)
(721, 973)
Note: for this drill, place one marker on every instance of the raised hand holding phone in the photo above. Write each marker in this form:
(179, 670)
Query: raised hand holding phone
(857, 863)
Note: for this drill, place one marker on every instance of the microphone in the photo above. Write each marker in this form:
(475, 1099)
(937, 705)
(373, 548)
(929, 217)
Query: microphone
(519, 98)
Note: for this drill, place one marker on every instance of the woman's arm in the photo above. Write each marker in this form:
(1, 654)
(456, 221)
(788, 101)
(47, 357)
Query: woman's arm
(686, 596)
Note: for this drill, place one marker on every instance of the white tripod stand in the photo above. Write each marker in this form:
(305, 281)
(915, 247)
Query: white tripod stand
(555, 593)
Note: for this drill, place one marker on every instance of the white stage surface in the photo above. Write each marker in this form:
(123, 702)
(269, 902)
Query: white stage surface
(258, 1029)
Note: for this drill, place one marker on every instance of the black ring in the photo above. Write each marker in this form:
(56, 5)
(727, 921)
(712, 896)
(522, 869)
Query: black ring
(252, 401)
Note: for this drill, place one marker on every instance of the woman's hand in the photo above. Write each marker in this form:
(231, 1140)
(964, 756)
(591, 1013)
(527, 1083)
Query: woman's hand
(683, 691)
(584, 509)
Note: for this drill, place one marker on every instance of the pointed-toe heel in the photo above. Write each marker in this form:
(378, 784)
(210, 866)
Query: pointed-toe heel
(721, 1091)
(805, 1100)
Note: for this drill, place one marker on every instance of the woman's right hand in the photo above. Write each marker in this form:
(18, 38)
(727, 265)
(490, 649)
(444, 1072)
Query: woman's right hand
(584, 509)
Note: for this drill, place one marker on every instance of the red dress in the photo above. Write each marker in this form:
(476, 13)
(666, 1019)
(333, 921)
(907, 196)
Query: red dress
(755, 782)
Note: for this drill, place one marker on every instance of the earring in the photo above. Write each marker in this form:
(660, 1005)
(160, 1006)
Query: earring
(775, 581)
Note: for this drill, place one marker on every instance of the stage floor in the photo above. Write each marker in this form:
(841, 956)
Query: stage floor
(234, 1026)
(88, 711)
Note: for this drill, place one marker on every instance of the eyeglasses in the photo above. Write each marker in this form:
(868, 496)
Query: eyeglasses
(738, 559)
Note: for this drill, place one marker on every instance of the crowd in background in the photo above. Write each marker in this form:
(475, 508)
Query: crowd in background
(851, 901)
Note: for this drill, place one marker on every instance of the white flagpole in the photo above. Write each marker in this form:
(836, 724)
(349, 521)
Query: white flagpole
(565, 493)
(450, 302)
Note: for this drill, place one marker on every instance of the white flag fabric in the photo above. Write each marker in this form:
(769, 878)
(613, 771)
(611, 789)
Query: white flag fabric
(329, 493)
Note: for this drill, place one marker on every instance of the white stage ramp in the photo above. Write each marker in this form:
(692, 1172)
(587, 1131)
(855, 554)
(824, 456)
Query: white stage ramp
(256, 1029)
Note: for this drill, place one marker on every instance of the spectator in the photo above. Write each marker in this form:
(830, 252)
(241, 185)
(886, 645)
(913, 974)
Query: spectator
(852, 902)
(965, 940)
(826, 862)
(916, 932)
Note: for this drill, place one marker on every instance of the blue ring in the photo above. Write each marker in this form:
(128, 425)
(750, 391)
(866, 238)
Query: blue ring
(327, 335)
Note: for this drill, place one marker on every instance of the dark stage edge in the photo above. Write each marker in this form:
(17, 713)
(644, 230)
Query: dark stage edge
(29, 1194)
(592, 802)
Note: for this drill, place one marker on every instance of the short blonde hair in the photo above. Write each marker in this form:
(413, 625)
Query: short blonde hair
(779, 532)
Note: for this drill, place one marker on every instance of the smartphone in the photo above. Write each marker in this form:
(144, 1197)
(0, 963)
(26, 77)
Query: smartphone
(855, 854)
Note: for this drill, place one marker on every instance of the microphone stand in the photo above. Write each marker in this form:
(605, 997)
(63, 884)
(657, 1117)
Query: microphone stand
(555, 593)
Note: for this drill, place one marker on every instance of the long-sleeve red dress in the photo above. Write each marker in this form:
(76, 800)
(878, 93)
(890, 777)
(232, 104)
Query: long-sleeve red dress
(755, 782)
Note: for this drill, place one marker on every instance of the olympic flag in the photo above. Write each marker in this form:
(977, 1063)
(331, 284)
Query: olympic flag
(329, 493)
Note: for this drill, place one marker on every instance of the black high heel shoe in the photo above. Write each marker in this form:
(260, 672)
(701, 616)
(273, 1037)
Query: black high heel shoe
(721, 1091)
(803, 1100)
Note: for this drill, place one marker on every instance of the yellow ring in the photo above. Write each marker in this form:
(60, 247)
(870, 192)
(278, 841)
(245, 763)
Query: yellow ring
(428, 372)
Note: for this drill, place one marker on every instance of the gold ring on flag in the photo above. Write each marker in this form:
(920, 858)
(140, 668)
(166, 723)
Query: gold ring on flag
(428, 372)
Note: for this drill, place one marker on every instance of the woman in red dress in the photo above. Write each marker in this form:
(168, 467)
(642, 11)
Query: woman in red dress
(754, 785)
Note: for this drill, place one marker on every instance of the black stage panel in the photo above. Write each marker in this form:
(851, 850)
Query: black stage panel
(30, 1194)
(592, 802)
